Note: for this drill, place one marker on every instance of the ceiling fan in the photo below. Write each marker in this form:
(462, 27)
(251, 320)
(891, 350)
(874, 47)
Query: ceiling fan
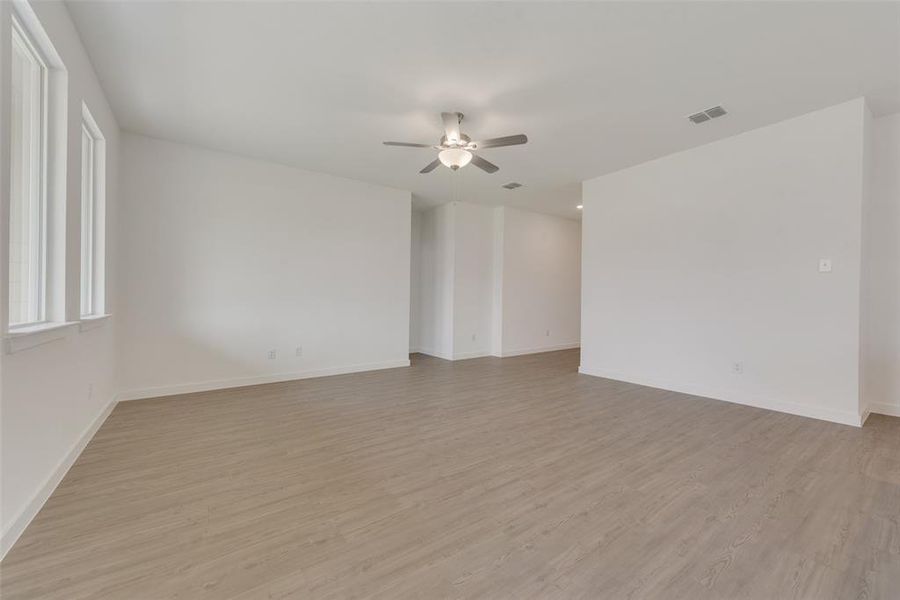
(457, 149)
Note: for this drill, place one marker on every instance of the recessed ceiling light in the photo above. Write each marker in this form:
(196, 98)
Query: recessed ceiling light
(580, 206)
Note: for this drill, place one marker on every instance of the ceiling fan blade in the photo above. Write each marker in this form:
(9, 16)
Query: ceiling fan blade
(451, 126)
(486, 166)
(510, 140)
(431, 166)
(407, 144)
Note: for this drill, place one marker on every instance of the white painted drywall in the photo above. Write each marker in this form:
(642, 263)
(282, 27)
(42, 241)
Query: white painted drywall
(229, 258)
(473, 274)
(881, 272)
(436, 282)
(541, 282)
(597, 86)
(707, 258)
(497, 284)
(52, 396)
(495, 280)
(415, 283)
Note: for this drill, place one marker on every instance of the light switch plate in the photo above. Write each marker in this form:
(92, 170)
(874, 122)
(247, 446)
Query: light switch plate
(824, 265)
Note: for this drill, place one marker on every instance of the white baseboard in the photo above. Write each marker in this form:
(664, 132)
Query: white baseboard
(540, 349)
(207, 386)
(804, 410)
(460, 356)
(883, 408)
(468, 355)
(435, 353)
(482, 353)
(18, 525)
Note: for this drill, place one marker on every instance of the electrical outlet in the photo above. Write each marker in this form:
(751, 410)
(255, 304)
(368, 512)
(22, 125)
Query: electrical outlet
(824, 265)
(298, 351)
(548, 333)
(737, 368)
(272, 355)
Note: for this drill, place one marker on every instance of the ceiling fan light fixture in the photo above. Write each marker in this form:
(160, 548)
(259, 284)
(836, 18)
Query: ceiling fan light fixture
(454, 158)
(456, 149)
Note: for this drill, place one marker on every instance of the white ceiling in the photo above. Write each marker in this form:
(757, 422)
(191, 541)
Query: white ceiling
(595, 86)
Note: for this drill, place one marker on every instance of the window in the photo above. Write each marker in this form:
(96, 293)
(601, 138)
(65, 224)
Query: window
(92, 177)
(27, 208)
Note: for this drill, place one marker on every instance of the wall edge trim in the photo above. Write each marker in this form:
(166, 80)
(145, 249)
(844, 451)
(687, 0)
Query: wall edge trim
(236, 382)
(883, 408)
(539, 349)
(33, 507)
(792, 408)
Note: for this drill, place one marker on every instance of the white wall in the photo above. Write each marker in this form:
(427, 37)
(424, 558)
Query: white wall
(495, 280)
(541, 283)
(473, 273)
(436, 282)
(54, 395)
(456, 281)
(415, 277)
(497, 284)
(881, 272)
(228, 258)
(708, 257)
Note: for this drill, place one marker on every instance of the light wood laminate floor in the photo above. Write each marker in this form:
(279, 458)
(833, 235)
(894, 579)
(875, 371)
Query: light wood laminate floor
(487, 478)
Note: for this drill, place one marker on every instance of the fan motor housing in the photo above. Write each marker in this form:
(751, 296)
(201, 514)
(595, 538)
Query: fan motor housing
(464, 140)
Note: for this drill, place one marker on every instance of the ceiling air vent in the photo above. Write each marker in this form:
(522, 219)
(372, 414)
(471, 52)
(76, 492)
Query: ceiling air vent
(512, 185)
(706, 115)
(699, 117)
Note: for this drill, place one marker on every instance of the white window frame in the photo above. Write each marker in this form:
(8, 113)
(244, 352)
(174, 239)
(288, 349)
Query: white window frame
(56, 317)
(93, 162)
(21, 36)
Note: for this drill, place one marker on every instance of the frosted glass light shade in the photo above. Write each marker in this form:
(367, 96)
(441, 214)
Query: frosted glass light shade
(455, 157)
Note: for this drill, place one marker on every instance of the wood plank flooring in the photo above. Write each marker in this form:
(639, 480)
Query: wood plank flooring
(487, 478)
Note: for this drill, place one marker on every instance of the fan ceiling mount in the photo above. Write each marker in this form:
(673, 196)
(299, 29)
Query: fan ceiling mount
(456, 149)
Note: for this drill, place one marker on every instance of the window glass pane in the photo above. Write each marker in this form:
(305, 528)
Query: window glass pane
(26, 211)
(87, 221)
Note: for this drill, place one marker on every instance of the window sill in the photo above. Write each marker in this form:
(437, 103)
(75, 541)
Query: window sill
(89, 322)
(22, 338)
